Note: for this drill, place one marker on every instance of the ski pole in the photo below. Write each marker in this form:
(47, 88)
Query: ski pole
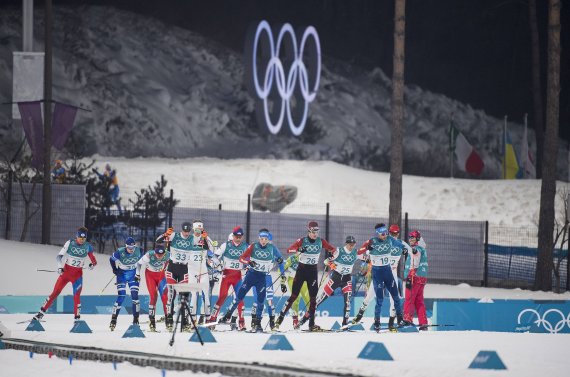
(41, 270)
(106, 285)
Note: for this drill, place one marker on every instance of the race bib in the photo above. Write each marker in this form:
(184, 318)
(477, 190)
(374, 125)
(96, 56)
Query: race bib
(380, 260)
(74, 261)
(179, 256)
(308, 258)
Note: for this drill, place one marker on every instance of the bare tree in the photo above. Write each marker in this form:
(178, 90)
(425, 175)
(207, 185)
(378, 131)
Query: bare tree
(543, 277)
(21, 172)
(396, 151)
(560, 237)
(536, 87)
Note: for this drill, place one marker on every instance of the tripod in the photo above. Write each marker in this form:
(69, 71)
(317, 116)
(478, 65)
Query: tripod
(182, 290)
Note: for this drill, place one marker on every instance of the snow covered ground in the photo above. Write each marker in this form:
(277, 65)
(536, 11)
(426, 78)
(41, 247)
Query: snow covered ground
(432, 353)
(204, 182)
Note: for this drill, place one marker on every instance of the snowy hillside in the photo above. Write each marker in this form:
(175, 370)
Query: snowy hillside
(203, 182)
(159, 90)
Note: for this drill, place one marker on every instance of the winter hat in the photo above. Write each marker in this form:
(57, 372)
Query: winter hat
(238, 231)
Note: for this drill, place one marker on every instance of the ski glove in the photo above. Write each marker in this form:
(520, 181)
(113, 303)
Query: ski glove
(253, 263)
(168, 232)
(91, 266)
(409, 283)
(370, 247)
(137, 278)
(332, 265)
(60, 270)
(302, 249)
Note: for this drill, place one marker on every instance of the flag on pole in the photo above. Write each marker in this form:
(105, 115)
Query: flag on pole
(63, 118)
(467, 158)
(510, 161)
(528, 168)
(32, 122)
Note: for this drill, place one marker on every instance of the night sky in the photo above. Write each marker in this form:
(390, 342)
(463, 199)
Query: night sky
(477, 52)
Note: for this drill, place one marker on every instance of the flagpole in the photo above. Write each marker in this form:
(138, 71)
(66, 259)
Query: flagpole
(451, 149)
(525, 158)
(505, 149)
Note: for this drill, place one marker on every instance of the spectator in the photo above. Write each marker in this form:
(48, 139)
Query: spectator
(109, 176)
(58, 173)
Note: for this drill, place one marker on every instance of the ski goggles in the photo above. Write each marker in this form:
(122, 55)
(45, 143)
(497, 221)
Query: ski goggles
(314, 230)
(382, 231)
(264, 235)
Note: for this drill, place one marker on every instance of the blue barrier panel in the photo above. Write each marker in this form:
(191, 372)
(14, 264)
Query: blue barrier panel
(134, 331)
(487, 360)
(504, 315)
(375, 351)
(80, 327)
(35, 326)
(2, 345)
(335, 326)
(278, 342)
(23, 304)
(205, 333)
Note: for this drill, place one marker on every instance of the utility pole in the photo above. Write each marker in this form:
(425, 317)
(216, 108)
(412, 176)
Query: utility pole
(46, 197)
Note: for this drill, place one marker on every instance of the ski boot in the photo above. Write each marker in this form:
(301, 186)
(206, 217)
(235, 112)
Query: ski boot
(169, 322)
(315, 328)
(257, 326)
(377, 324)
(272, 322)
(391, 326)
(39, 315)
(233, 323)
(402, 322)
(136, 320)
(358, 317)
(152, 324)
(225, 319)
(77, 318)
(344, 321)
(279, 321)
(295, 322)
(113, 323)
(252, 321)
(201, 319)
(423, 328)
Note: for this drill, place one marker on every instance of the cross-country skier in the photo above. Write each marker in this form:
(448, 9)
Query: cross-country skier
(70, 261)
(187, 264)
(124, 265)
(415, 273)
(309, 248)
(382, 250)
(341, 264)
(395, 254)
(181, 245)
(269, 291)
(229, 253)
(290, 268)
(155, 262)
(260, 257)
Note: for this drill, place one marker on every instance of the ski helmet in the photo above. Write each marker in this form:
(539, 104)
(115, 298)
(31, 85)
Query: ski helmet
(313, 226)
(186, 226)
(130, 242)
(160, 248)
(416, 234)
(394, 228)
